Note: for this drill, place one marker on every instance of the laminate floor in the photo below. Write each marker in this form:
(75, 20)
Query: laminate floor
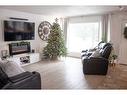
(67, 73)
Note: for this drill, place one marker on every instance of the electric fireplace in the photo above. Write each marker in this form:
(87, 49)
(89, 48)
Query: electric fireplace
(19, 48)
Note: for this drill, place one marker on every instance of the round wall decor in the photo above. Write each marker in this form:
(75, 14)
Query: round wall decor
(44, 30)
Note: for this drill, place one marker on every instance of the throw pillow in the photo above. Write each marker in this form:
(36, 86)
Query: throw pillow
(11, 68)
(101, 45)
(95, 54)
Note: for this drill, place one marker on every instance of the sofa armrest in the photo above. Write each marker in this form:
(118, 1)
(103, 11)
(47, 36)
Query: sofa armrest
(86, 54)
(84, 51)
(99, 59)
(96, 59)
(25, 80)
(20, 77)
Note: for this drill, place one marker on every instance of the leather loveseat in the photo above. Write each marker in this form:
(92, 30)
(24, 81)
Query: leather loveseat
(96, 65)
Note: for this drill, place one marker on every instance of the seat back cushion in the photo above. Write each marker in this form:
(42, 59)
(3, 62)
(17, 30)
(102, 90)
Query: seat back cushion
(95, 54)
(106, 51)
(3, 78)
(107, 44)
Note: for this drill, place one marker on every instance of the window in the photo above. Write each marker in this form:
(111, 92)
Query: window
(81, 36)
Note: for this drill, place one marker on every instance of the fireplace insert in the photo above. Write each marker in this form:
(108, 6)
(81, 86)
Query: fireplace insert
(19, 48)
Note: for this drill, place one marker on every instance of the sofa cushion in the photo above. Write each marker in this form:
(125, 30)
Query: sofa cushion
(96, 54)
(11, 68)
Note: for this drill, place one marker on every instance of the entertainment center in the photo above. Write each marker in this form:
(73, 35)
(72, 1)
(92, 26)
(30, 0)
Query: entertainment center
(25, 59)
(20, 52)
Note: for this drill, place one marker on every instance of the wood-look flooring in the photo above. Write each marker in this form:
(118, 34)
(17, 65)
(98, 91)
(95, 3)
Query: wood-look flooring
(67, 74)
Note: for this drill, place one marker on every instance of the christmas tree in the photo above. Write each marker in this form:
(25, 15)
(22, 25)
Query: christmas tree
(55, 45)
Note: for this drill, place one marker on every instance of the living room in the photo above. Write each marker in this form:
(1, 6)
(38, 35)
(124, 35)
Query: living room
(107, 23)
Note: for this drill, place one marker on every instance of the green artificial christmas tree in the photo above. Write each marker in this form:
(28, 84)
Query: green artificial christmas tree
(55, 45)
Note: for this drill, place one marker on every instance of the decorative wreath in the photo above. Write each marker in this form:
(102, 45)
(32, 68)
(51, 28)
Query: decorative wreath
(125, 32)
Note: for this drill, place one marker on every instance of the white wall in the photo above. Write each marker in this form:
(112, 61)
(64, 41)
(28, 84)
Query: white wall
(117, 38)
(117, 21)
(36, 44)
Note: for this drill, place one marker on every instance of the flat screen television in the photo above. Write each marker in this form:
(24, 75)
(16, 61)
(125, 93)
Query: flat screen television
(18, 30)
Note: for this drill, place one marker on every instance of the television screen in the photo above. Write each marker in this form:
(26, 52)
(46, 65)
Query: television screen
(18, 30)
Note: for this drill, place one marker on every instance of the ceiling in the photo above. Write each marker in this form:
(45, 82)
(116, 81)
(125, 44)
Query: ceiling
(65, 11)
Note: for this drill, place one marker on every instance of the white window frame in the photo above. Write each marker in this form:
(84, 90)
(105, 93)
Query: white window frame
(87, 19)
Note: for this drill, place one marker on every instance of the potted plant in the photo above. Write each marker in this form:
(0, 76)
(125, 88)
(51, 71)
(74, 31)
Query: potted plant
(113, 59)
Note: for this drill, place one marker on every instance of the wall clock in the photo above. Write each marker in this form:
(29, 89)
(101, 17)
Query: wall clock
(44, 30)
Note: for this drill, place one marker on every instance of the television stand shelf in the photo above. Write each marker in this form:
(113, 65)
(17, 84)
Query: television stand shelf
(25, 59)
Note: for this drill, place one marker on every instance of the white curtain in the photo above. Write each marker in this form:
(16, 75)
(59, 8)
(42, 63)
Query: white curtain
(105, 27)
(65, 28)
